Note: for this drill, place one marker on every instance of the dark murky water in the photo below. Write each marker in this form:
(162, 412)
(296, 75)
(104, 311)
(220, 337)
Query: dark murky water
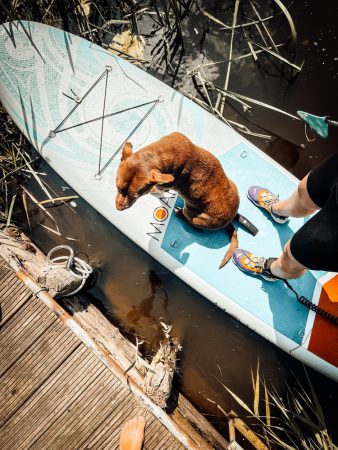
(137, 292)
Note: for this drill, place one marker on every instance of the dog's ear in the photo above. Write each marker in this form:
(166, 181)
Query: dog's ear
(127, 150)
(157, 177)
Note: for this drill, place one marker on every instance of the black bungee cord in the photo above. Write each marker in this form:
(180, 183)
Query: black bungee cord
(310, 305)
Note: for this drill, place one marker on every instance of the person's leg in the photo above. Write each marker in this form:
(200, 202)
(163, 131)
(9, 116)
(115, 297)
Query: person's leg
(286, 266)
(311, 195)
(132, 434)
(313, 191)
(299, 204)
(314, 246)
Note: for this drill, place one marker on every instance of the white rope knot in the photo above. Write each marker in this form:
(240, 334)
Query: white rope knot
(79, 268)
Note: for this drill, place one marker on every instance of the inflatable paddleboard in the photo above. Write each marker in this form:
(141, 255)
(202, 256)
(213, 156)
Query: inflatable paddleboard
(78, 104)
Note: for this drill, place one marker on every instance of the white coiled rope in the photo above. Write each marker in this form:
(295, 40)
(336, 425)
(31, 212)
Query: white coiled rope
(79, 268)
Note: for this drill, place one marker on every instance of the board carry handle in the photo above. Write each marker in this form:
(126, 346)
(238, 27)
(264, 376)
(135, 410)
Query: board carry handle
(246, 224)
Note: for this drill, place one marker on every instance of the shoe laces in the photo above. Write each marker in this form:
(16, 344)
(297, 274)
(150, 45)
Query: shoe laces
(269, 199)
(256, 262)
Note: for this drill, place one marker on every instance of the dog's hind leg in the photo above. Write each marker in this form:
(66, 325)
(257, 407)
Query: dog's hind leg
(199, 222)
(202, 221)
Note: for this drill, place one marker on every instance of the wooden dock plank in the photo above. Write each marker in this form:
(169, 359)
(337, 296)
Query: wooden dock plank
(54, 392)
(72, 426)
(93, 417)
(9, 308)
(117, 419)
(80, 419)
(44, 407)
(153, 440)
(9, 281)
(156, 439)
(8, 288)
(30, 371)
(105, 430)
(115, 436)
(7, 277)
(150, 431)
(11, 301)
(156, 434)
(19, 333)
(78, 380)
(101, 423)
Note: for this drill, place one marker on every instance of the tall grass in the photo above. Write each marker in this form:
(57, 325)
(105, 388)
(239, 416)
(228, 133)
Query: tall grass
(19, 163)
(293, 424)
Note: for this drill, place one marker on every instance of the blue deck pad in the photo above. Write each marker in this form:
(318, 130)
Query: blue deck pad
(202, 251)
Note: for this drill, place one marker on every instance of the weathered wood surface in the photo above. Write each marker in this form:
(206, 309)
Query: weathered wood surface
(15, 244)
(106, 335)
(110, 339)
(54, 393)
(158, 380)
(155, 377)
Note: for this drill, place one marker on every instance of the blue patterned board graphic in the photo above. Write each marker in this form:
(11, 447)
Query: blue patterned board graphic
(56, 62)
(202, 251)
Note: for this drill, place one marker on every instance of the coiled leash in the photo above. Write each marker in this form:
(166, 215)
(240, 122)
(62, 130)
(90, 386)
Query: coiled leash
(79, 268)
(313, 307)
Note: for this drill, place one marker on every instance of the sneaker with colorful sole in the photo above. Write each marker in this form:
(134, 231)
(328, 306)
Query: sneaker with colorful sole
(263, 198)
(252, 264)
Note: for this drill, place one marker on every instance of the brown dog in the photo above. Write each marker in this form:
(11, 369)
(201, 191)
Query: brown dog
(211, 199)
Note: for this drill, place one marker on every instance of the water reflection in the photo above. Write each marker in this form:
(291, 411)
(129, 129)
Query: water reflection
(143, 314)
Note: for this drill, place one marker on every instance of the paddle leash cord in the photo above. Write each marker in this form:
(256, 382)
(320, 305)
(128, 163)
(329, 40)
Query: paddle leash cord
(79, 268)
(308, 304)
(79, 100)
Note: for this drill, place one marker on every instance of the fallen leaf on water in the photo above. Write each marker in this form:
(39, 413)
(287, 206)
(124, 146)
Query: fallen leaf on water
(128, 43)
(84, 7)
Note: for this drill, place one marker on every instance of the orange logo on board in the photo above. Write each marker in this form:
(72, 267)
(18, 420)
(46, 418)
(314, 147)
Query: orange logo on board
(160, 214)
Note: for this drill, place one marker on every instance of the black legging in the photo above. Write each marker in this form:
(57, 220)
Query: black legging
(315, 244)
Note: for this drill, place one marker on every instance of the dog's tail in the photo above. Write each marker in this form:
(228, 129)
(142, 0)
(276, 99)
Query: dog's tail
(231, 230)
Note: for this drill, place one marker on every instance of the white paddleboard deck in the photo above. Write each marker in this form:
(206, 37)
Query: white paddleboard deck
(57, 87)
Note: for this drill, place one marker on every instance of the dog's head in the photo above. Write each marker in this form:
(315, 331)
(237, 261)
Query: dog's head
(135, 177)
